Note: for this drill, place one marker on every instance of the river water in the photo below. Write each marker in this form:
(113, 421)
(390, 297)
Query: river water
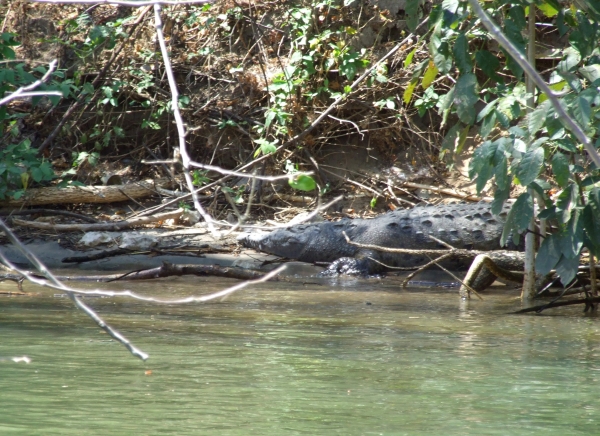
(356, 357)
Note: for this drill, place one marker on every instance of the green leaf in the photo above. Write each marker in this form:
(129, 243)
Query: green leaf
(440, 51)
(488, 124)
(571, 59)
(560, 168)
(450, 5)
(265, 147)
(530, 166)
(482, 156)
(590, 72)
(591, 221)
(566, 201)
(548, 255)
(410, 56)
(489, 64)
(462, 139)
(465, 98)
(571, 238)
(412, 14)
(567, 145)
(450, 140)
(518, 218)
(302, 182)
(487, 110)
(566, 269)
(408, 92)
(461, 54)
(500, 196)
(549, 9)
(582, 111)
(444, 104)
(501, 171)
(430, 74)
(537, 118)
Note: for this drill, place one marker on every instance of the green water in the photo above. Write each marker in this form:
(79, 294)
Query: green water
(293, 359)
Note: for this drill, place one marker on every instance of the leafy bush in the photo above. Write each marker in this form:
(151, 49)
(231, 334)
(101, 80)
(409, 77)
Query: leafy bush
(531, 149)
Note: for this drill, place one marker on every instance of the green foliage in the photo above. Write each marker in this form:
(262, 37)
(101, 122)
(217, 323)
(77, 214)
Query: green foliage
(318, 57)
(236, 193)
(297, 181)
(19, 165)
(534, 150)
(199, 177)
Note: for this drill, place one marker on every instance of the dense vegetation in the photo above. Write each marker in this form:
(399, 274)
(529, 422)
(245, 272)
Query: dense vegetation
(253, 79)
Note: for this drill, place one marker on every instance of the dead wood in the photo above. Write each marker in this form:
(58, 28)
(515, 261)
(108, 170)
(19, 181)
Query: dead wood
(167, 269)
(86, 194)
(588, 301)
(445, 191)
(501, 263)
(48, 212)
(114, 226)
(179, 251)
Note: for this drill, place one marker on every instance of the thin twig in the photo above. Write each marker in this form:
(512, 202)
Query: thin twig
(58, 285)
(185, 158)
(24, 91)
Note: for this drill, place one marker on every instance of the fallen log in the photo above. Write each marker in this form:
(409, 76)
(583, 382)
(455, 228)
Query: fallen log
(86, 194)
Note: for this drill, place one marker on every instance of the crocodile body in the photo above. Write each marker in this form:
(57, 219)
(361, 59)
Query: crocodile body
(467, 226)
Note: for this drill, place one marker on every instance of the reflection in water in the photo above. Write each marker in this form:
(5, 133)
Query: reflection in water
(290, 358)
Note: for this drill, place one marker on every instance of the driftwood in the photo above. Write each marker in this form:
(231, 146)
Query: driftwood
(86, 194)
(198, 251)
(112, 226)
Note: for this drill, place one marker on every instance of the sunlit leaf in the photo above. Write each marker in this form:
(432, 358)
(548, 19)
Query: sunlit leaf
(537, 118)
(302, 182)
(549, 9)
(430, 74)
(590, 72)
(582, 111)
(408, 92)
(410, 56)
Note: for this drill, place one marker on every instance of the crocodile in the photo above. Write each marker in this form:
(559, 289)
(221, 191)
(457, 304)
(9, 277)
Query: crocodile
(467, 226)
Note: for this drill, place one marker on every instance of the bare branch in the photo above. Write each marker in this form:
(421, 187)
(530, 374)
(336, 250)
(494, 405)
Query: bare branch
(23, 92)
(58, 285)
(185, 158)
